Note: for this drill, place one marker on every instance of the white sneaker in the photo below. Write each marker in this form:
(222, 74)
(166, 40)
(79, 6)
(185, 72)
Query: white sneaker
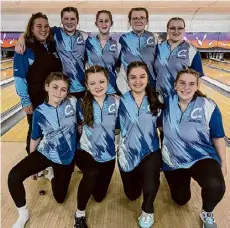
(23, 217)
(208, 219)
(146, 220)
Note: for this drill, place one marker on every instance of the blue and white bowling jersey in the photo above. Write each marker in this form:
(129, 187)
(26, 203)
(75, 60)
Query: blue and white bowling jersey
(168, 63)
(57, 128)
(99, 140)
(139, 48)
(106, 57)
(138, 135)
(188, 135)
(71, 50)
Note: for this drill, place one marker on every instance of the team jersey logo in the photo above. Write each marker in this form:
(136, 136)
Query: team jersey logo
(113, 47)
(69, 111)
(112, 109)
(196, 113)
(150, 41)
(80, 40)
(182, 54)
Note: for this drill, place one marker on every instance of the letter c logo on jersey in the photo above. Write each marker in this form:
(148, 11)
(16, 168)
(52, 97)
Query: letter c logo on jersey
(80, 40)
(195, 113)
(150, 41)
(112, 109)
(68, 110)
(113, 47)
(182, 53)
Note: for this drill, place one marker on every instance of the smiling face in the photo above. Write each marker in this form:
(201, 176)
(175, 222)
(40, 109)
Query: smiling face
(138, 21)
(97, 84)
(69, 21)
(41, 29)
(57, 91)
(103, 23)
(176, 30)
(186, 86)
(138, 79)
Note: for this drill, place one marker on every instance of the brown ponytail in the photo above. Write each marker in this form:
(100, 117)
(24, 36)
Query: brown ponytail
(87, 104)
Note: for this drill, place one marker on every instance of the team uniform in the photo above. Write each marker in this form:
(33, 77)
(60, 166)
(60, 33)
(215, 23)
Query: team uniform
(96, 157)
(188, 150)
(57, 129)
(71, 50)
(139, 157)
(136, 48)
(30, 72)
(106, 57)
(168, 63)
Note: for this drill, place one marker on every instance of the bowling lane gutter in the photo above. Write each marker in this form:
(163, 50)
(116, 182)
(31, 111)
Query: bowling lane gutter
(7, 82)
(11, 117)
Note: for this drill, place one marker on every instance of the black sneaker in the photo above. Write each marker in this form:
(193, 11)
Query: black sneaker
(80, 222)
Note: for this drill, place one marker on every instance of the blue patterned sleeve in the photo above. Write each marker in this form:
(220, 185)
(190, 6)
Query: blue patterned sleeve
(36, 129)
(21, 66)
(197, 64)
(216, 124)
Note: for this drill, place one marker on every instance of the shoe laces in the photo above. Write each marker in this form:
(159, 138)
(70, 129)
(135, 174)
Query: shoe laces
(146, 218)
(208, 217)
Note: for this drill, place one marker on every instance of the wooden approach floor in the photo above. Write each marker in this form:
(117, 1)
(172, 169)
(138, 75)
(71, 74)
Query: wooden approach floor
(116, 211)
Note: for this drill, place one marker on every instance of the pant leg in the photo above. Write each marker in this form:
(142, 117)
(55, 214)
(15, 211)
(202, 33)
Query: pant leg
(149, 173)
(60, 182)
(131, 184)
(90, 170)
(103, 180)
(209, 176)
(32, 164)
(179, 185)
(29, 120)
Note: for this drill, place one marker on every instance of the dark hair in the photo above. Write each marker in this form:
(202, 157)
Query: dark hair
(54, 76)
(175, 19)
(70, 9)
(107, 12)
(29, 37)
(151, 94)
(138, 9)
(87, 104)
(198, 93)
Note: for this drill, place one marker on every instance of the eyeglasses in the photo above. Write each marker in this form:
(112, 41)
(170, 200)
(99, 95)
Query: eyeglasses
(180, 29)
(136, 19)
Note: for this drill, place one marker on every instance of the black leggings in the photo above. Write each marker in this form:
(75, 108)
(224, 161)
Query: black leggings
(96, 178)
(32, 164)
(145, 177)
(208, 175)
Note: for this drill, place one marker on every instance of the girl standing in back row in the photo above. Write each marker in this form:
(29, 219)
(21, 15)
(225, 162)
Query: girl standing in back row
(103, 50)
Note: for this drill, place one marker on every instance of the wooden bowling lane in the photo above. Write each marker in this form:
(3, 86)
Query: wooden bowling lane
(223, 103)
(6, 74)
(221, 65)
(216, 74)
(7, 64)
(18, 133)
(9, 98)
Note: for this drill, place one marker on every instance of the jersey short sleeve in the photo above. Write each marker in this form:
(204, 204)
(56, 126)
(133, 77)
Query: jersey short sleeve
(36, 129)
(216, 124)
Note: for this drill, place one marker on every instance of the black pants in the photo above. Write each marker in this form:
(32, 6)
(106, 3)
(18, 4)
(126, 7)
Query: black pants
(96, 178)
(145, 177)
(32, 164)
(208, 175)
(29, 120)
